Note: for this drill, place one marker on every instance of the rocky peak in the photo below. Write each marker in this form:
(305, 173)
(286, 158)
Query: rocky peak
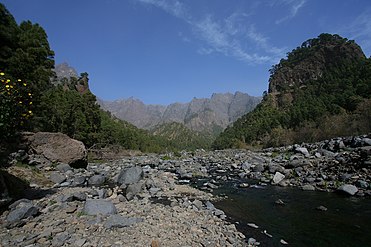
(308, 62)
(63, 70)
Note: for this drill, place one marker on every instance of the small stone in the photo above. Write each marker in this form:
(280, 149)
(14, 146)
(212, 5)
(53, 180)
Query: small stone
(348, 189)
(278, 177)
(243, 185)
(155, 243)
(251, 241)
(321, 208)
(252, 225)
(303, 151)
(279, 202)
(283, 242)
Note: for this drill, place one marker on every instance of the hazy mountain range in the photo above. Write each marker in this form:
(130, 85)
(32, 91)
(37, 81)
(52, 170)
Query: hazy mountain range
(206, 114)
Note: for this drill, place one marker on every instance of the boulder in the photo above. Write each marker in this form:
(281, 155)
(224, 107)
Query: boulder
(130, 175)
(278, 177)
(133, 189)
(348, 189)
(20, 210)
(99, 206)
(58, 148)
(96, 180)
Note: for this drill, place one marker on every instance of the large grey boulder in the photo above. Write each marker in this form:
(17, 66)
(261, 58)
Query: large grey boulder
(99, 206)
(20, 210)
(130, 175)
(58, 148)
(348, 189)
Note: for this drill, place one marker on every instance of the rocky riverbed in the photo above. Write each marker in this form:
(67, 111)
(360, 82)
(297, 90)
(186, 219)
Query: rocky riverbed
(148, 201)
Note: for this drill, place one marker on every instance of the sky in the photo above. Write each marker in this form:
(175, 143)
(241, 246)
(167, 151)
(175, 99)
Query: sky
(166, 51)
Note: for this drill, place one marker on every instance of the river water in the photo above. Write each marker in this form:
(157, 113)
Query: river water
(347, 222)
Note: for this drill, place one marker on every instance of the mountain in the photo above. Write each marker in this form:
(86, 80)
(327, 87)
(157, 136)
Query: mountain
(207, 114)
(321, 90)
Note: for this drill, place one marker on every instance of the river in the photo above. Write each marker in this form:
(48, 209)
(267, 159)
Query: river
(347, 222)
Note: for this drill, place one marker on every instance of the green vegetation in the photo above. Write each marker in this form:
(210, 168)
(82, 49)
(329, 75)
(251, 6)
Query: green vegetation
(180, 137)
(321, 90)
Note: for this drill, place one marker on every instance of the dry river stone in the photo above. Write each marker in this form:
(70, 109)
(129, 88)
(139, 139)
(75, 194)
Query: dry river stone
(99, 206)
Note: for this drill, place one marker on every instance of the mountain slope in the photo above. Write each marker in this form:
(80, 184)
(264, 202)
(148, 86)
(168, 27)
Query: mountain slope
(181, 137)
(322, 89)
(208, 115)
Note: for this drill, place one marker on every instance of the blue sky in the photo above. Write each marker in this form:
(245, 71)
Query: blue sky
(164, 51)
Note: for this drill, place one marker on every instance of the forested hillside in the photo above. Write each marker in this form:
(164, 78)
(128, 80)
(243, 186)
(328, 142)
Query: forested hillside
(321, 90)
(34, 98)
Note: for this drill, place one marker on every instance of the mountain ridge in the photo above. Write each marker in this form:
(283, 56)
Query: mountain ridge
(200, 114)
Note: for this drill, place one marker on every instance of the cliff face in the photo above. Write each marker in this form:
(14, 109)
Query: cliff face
(213, 114)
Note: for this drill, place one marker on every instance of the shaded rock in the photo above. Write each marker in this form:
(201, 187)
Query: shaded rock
(60, 238)
(78, 181)
(99, 206)
(130, 175)
(22, 210)
(57, 178)
(297, 163)
(279, 202)
(119, 221)
(96, 180)
(366, 141)
(348, 189)
(258, 168)
(278, 177)
(62, 167)
(362, 184)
